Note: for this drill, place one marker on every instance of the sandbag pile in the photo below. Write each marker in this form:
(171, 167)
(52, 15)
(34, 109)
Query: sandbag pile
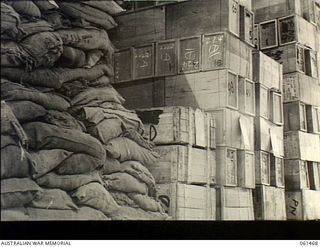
(74, 152)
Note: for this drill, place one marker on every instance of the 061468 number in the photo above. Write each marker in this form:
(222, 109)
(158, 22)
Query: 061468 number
(312, 243)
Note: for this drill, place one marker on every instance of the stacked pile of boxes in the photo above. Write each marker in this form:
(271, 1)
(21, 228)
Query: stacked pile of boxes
(238, 68)
(269, 194)
(289, 33)
(166, 61)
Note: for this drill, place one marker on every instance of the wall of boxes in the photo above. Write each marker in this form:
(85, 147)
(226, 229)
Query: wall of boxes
(213, 103)
(289, 32)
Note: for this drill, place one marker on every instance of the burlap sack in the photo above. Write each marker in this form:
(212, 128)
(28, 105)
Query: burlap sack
(44, 161)
(17, 192)
(14, 162)
(79, 164)
(26, 111)
(96, 196)
(124, 149)
(48, 136)
(124, 182)
(67, 182)
(53, 199)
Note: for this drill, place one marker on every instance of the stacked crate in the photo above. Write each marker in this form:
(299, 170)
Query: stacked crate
(269, 194)
(166, 60)
(185, 140)
(289, 33)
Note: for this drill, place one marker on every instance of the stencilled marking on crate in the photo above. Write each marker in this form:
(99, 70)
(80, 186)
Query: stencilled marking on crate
(213, 51)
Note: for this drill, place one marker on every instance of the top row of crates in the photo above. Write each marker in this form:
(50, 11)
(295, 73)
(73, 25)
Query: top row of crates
(183, 19)
(271, 9)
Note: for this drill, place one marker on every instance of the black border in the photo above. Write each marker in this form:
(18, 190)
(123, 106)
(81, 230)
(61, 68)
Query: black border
(156, 230)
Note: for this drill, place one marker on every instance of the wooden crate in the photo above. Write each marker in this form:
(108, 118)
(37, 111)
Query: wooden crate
(303, 205)
(317, 14)
(185, 164)
(290, 56)
(276, 108)
(256, 37)
(143, 93)
(247, 96)
(178, 125)
(301, 145)
(207, 90)
(224, 51)
(262, 101)
(246, 25)
(123, 66)
(189, 55)
(313, 119)
(209, 16)
(268, 34)
(187, 202)
(234, 203)
(166, 58)
(246, 3)
(226, 159)
(143, 62)
(314, 175)
(298, 86)
(267, 71)
(294, 29)
(139, 27)
(296, 175)
(246, 169)
(268, 137)
(309, 10)
(269, 203)
(262, 167)
(234, 129)
(295, 116)
(271, 9)
(277, 172)
(276, 105)
(311, 62)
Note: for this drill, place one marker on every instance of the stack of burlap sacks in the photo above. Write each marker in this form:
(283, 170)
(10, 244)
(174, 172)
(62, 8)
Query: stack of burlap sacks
(69, 149)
